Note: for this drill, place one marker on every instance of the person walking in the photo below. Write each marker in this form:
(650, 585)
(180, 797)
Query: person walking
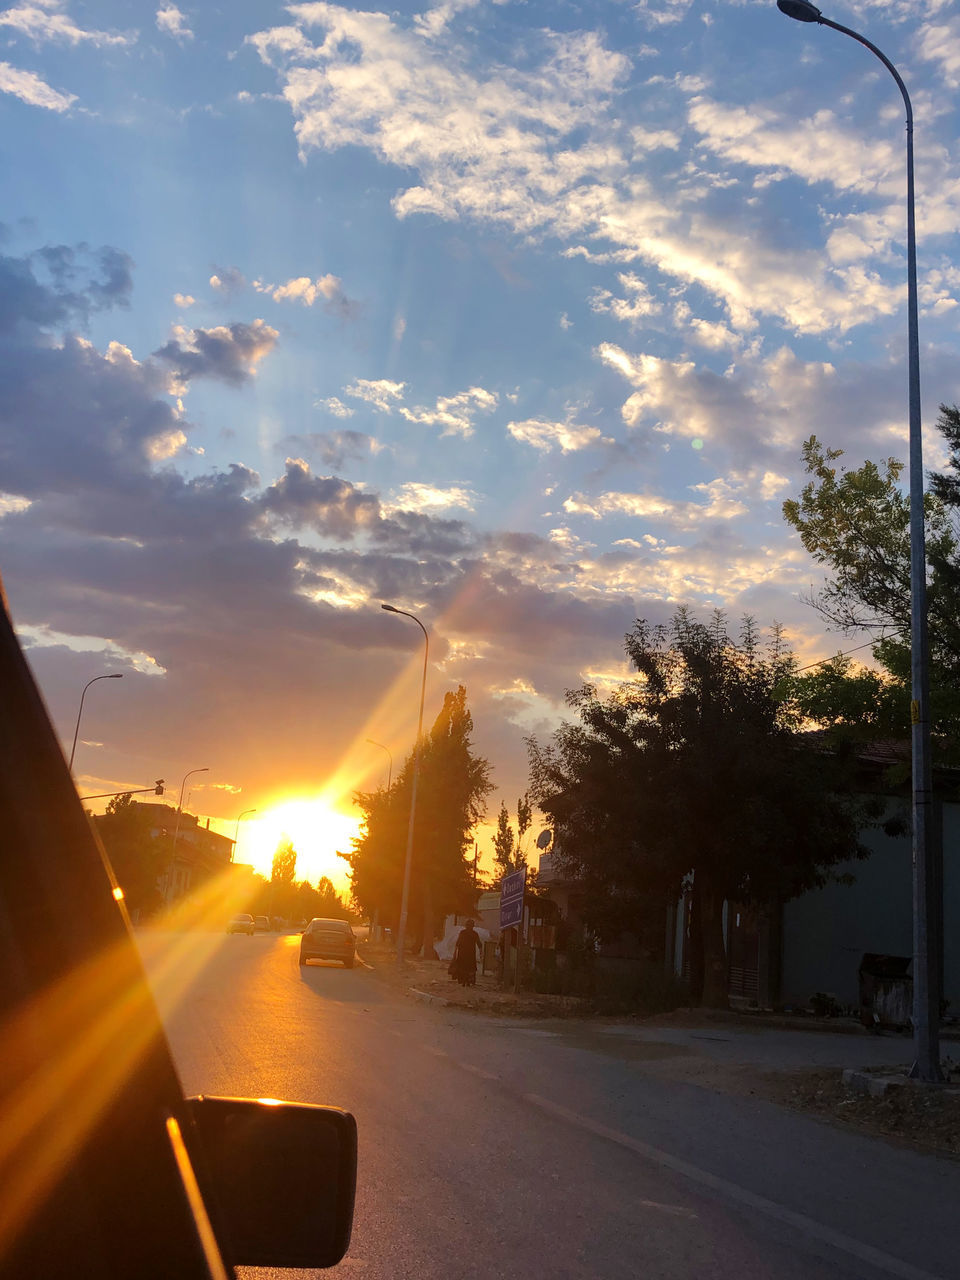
(463, 966)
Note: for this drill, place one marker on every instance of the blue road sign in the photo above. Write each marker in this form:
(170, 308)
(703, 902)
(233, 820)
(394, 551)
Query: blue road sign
(511, 898)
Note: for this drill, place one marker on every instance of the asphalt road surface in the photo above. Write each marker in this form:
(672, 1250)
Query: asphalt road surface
(498, 1149)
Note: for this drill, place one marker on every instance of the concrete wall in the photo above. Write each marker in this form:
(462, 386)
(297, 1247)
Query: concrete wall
(826, 932)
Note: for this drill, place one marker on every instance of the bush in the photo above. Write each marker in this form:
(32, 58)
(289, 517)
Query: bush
(636, 986)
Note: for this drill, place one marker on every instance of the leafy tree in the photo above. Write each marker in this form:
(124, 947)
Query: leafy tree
(451, 794)
(283, 889)
(508, 851)
(694, 775)
(857, 523)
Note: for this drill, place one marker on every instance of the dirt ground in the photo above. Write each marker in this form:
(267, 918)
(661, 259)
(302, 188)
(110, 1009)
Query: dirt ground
(927, 1119)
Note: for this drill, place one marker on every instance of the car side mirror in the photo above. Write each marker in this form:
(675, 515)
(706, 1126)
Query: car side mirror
(281, 1177)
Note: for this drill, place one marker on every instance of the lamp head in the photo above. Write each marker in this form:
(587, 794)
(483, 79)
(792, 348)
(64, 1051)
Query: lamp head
(118, 675)
(799, 9)
(389, 608)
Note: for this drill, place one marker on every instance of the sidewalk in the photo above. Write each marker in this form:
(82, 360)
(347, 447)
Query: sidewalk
(429, 980)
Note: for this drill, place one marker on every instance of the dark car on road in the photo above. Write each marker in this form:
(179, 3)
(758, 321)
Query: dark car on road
(262, 923)
(328, 940)
(241, 924)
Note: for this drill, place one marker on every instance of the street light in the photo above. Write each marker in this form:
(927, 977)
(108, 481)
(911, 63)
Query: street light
(176, 832)
(236, 832)
(405, 895)
(927, 852)
(389, 758)
(115, 676)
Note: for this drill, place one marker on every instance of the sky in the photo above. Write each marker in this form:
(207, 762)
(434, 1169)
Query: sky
(513, 316)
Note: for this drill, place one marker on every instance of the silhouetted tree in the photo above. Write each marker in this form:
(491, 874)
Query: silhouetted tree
(451, 794)
(694, 774)
(508, 851)
(283, 890)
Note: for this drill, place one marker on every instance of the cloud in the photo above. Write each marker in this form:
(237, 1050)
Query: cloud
(229, 353)
(380, 392)
(566, 436)
(29, 88)
(326, 504)
(335, 406)
(174, 23)
(184, 300)
(417, 496)
(544, 147)
(637, 306)
(939, 43)
(61, 283)
(306, 291)
(333, 448)
(722, 504)
(227, 281)
(454, 414)
(397, 92)
(662, 13)
(41, 26)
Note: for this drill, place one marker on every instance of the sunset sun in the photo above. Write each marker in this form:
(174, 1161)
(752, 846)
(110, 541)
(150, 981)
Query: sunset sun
(317, 829)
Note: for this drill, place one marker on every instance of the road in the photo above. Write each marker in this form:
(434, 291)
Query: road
(501, 1149)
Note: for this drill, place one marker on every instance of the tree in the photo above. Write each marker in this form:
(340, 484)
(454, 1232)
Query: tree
(508, 851)
(857, 523)
(451, 795)
(283, 890)
(695, 775)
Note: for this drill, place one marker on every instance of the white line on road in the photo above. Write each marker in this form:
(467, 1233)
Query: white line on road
(826, 1235)
(478, 1071)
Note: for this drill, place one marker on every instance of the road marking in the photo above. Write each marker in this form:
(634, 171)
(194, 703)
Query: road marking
(732, 1191)
(478, 1071)
(437, 1053)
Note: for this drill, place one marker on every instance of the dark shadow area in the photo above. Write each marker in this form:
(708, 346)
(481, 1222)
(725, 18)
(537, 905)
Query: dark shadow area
(330, 980)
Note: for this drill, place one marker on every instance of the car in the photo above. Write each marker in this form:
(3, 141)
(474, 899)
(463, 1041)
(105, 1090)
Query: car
(328, 940)
(107, 1168)
(261, 922)
(241, 924)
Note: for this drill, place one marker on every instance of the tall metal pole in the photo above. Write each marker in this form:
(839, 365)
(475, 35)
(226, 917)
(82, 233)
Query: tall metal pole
(236, 832)
(408, 861)
(176, 831)
(927, 850)
(389, 759)
(73, 749)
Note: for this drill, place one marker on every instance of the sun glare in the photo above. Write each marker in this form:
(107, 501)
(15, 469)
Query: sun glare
(317, 829)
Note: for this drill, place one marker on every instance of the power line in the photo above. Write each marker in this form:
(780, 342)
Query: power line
(842, 654)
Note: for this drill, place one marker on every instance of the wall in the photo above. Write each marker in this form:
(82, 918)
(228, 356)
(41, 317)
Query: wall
(826, 931)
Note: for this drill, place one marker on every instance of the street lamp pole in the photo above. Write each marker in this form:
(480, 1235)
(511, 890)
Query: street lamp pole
(176, 831)
(927, 851)
(408, 861)
(389, 758)
(236, 832)
(73, 749)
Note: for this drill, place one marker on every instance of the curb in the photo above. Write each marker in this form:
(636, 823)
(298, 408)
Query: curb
(426, 998)
(870, 1084)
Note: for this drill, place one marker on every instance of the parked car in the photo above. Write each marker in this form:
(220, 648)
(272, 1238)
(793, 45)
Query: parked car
(261, 922)
(241, 924)
(328, 940)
